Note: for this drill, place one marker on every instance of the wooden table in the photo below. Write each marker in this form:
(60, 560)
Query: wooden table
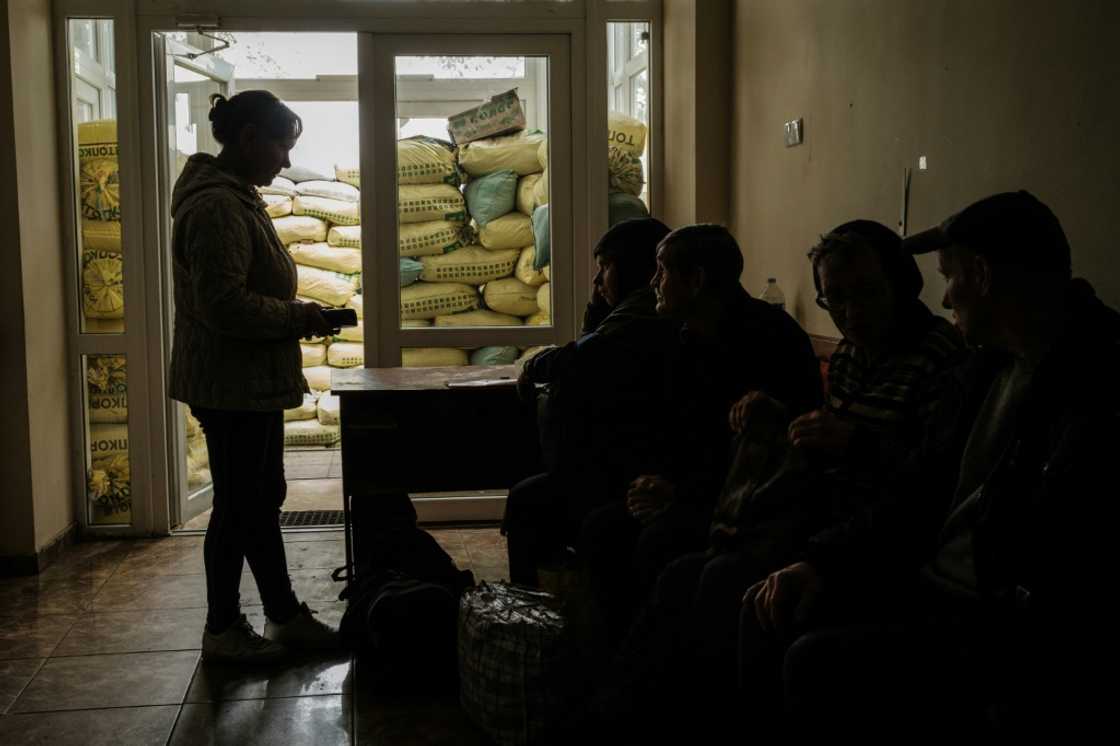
(406, 430)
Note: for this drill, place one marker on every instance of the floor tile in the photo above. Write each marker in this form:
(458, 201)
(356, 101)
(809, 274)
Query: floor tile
(14, 676)
(323, 721)
(134, 632)
(53, 595)
(89, 559)
(311, 555)
(177, 555)
(94, 681)
(489, 572)
(292, 537)
(313, 586)
(32, 636)
(143, 592)
(328, 612)
(415, 721)
(302, 676)
(135, 726)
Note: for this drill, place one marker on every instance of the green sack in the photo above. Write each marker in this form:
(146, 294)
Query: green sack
(410, 271)
(494, 356)
(622, 206)
(542, 238)
(491, 196)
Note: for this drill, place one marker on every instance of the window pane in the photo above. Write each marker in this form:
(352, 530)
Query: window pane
(93, 108)
(108, 477)
(83, 37)
(473, 234)
(453, 357)
(628, 127)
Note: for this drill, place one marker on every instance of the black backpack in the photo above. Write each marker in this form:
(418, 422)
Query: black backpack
(402, 612)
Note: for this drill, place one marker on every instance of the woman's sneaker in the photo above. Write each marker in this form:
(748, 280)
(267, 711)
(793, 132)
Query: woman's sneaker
(240, 644)
(302, 632)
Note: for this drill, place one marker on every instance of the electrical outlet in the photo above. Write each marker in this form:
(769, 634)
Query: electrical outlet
(794, 135)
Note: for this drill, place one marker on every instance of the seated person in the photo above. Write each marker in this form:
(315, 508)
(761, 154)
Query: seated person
(605, 390)
(965, 596)
(789, 480)
(730, 344)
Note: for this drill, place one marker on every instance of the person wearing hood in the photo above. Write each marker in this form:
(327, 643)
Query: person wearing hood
(236, 362)
(599, 424)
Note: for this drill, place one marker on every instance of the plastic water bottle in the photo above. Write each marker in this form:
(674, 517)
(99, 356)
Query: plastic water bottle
(773, 294)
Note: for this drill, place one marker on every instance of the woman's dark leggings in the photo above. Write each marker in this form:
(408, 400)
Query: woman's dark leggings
(247, 466)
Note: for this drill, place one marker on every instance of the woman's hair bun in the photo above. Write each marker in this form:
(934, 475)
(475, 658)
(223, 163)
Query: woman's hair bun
(217, 103)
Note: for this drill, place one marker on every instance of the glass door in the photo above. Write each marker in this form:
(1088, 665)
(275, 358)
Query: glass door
(468, 229)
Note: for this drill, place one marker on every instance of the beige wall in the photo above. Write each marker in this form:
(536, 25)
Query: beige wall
(41, 254)
(697, 105)
(17, 532)
(999, 95)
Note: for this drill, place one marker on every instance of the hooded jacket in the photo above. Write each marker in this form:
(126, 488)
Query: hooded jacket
(237, 323)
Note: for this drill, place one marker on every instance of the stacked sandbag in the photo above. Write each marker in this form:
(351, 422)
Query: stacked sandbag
(198, 457)
(102, 275)
(109, 481)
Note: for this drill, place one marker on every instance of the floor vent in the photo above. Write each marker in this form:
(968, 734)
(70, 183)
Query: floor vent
(300, 518)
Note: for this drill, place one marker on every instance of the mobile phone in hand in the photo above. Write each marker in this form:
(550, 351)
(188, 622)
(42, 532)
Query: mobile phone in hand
(340, 317)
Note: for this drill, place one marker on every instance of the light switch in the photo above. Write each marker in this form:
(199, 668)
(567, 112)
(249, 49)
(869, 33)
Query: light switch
(794, 133)
(921, 163)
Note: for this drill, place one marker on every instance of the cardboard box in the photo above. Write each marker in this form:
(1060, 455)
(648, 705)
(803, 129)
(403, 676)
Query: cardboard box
(501, 115)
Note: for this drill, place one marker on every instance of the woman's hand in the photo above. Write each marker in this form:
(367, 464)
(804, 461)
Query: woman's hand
(740, 416)
(317, 325)
(649, 496)
(786, 599)
(821, 431)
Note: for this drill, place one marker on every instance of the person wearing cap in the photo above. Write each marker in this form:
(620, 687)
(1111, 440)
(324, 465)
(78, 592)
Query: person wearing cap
(966, 595)
(789, 480)
(730, 344)
(599, 427)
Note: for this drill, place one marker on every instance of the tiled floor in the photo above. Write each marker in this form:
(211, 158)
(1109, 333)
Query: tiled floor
(103, 648)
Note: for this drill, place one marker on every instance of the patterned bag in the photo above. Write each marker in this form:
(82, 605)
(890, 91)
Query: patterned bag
(515, 662)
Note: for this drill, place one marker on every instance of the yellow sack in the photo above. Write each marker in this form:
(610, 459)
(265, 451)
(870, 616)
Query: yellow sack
(624, 172)
(432, 357)
(426, 202)
(546, 270)
(102, 285)
(338, 190)
(325, 256)
(108, 441)
(107, 388)
(281, 186)
(348, 175)
(425, 160)
(511, 296)
(296, 228)
(540, 318)
(348, 236)
(313, 354)
(101, 235)
(346, 354)
(99, 170)
(355, 302)
(626, 133)
(426, 300)
(478, 318)
(415, 323)
(326, 287)
(526, 188)
(540, 190)
(542, 154)
(318, 378)
(544, 298)
(473, 265)
(310, 433)
(532, 352)
(350, 333)
(511, 231)
(277, 205)
(513, 152)
(336, 211)
(329, 410)
(430, 238)
(525, 271)
(305, 411)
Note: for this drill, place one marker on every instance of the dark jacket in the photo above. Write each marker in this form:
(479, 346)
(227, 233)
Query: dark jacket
(237, 323)
(1045, 514)
(758, 347)
(607, 393)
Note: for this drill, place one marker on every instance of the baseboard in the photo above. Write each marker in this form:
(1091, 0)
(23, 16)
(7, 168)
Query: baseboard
(16, 565)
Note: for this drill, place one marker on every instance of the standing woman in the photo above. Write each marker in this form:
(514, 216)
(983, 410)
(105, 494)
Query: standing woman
(236, 361)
